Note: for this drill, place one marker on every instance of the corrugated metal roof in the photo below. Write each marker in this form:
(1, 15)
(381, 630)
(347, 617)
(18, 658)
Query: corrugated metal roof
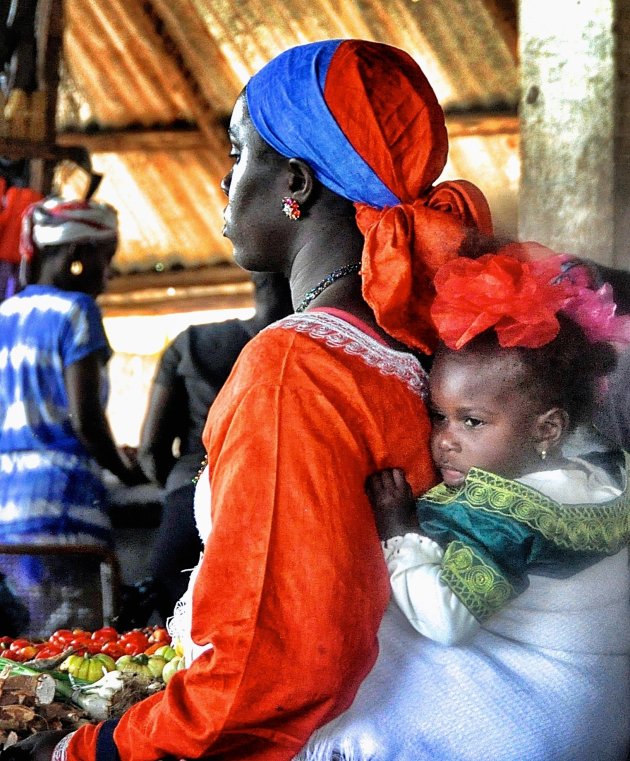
(126, 57)
(142, 63)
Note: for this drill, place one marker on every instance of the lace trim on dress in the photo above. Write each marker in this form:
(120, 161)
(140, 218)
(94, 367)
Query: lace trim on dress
(338, 333)
(60, 753)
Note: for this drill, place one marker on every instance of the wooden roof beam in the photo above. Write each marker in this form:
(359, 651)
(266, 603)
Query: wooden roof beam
(473, 123)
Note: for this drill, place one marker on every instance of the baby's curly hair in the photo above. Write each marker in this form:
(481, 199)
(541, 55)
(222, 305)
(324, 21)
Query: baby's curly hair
(564, 373)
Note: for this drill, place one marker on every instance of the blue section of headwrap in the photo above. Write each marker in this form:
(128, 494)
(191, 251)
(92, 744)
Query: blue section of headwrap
(287, 106)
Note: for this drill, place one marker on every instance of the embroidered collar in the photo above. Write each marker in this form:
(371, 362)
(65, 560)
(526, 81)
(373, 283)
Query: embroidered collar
(337, 332)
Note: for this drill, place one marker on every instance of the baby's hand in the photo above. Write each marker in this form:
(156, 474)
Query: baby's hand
(392, 503)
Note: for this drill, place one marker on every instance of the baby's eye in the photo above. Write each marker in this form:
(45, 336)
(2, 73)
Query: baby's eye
(437, 417)
(473, 422)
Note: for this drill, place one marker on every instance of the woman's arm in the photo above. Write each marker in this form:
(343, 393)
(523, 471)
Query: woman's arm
(272, 606)
(160, 428)
(83, 379)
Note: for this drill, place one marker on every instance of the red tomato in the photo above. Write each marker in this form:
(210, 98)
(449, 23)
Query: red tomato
(106, 634)
(5, 641)
(152, 648)
(134, 642)
(10, 655)
(159, 634)
(86, 645)
(81, 637)
(48, 651)
(26, 653)
(18, 644)
(63, 636)
(113, 649)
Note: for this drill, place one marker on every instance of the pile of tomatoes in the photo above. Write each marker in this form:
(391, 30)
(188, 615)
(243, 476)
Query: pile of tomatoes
(106, 640)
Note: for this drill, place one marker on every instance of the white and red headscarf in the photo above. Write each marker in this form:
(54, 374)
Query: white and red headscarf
(56, 221)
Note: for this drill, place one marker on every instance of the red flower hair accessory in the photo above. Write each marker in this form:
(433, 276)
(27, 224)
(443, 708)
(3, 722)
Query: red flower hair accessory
(520, 300)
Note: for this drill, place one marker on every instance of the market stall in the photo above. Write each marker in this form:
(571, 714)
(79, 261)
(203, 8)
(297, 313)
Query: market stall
(75, 677)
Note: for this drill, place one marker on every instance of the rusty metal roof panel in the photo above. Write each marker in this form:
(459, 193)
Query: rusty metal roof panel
(139, 61)
(170, 206)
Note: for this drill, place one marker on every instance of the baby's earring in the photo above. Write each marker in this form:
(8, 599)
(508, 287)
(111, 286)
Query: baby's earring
(291, 208)
(542, 452)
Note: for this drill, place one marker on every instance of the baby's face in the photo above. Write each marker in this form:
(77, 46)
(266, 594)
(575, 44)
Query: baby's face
(481, 416)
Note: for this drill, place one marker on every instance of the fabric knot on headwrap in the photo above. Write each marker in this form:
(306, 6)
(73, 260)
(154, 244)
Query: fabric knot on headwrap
(56, 221)
(521, 300)
(365, 118)
(404, 247)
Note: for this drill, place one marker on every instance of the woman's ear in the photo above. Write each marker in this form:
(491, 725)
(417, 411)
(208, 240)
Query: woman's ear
(302, 181)
(550, 427)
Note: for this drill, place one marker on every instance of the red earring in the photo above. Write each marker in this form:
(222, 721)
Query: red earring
(291, 208)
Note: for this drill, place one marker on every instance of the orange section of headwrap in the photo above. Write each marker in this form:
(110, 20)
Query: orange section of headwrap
(404, 247)
(388, 111)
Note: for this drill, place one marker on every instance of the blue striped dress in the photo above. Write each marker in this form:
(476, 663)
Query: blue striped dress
(50, 488)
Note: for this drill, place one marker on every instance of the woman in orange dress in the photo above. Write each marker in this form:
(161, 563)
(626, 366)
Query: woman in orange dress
(346, 138)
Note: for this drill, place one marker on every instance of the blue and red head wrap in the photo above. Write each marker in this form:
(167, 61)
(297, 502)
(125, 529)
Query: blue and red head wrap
(365, 118)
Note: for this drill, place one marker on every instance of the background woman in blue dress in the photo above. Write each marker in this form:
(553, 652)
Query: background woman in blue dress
(54, 435)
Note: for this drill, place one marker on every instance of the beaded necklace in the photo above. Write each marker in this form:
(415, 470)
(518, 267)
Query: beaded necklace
(313, 293)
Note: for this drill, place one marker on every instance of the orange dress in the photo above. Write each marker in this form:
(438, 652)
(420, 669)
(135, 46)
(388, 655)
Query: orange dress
(293, 585)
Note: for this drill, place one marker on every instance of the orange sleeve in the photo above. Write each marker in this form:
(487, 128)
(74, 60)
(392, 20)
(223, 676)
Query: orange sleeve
(292, 587)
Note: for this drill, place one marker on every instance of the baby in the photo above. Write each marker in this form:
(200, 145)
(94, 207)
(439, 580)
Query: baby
(514, 374)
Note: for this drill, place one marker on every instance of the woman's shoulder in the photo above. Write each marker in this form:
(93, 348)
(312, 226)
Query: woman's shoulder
(318, 343)
(48, 299)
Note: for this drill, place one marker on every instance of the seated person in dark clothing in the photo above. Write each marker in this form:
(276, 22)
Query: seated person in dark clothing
(190, 374)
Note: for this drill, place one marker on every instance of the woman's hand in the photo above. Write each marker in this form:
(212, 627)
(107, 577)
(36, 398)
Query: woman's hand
(133, 475)
(392, 503)
(37, 747)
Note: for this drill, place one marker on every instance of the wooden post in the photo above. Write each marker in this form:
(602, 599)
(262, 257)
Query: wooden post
(575, 127)
(49, 34)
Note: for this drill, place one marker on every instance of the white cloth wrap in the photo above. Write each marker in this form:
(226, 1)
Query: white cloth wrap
(180, 624)
(496, 698)
(545, 679)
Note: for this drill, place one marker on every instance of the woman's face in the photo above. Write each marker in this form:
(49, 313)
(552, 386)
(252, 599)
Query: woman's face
(255, 186)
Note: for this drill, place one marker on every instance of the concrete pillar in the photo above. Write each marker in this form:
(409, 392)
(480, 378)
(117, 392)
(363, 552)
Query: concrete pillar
(575, 127)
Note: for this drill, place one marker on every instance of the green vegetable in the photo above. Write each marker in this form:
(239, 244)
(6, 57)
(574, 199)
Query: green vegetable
(134, 664)
(88, 667)
(166, 651)
(175, 664)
